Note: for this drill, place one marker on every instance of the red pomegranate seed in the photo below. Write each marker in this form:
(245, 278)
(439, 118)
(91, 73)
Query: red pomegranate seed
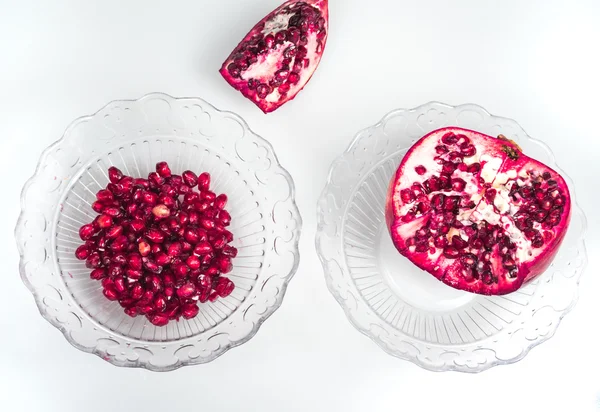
(155, 179)
(151, 265)
(107, 282)
(169, 291)
(468, 150)
(193, 218)
(206, 259)
(114, 174)
(214, 295)
(221, 201)
(149, 198)
(105, 196)
(174, 249)
(219, 242)
(176, 180)
(229, 251)
(224, 218)
(162, 259)
(189, 310)
(224, 287)
(191, 198)
(119, 244)
(173, 309)
(189, 178)
(224, 264)
(160, 303)
(155, 235)
(82, 252)
(86, 231)
(186, 291)
(207, 223)
(147, 297)
(204, 181)
(208, 196)
(183, 189)
(168, 190)
(193, 262)
(162, 168)
(202, 206)
(145, 308)
(474, 168)
(181, 270)
(191, 235)
(159, 319)
(114, 232)
(98, 274)
(137, 226)
(203, 248)
(131, 311)
(104, 221)
(115, 271)
(421, 170)
(111, 293)
(133, 274)
(204, 294)
(120, 286)
(141, 182)
(134, 261)
(137, 291)
(98, 207)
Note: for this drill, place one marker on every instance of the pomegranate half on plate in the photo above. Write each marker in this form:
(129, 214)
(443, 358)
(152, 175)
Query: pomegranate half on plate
(476, 212)
(413, 315)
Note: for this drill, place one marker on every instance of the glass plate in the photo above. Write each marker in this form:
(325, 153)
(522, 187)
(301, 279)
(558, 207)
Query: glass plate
(412, 315)
(134, 135)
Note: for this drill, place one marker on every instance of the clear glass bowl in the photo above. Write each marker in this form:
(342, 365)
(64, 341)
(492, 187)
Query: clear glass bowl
(408, 313)
(135, 135)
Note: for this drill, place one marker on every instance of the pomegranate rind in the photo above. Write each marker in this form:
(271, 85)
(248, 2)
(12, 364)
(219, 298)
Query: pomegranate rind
(506, 159)
(265, 68)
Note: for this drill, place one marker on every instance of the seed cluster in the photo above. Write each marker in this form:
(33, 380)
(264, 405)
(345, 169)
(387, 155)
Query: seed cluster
(159, 245)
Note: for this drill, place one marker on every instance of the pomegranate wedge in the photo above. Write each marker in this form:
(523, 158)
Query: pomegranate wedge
(280, 54)
(475, 212)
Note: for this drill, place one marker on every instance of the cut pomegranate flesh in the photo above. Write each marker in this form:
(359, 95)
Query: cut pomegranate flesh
(475, 212)
(148, 252)
(279, 55)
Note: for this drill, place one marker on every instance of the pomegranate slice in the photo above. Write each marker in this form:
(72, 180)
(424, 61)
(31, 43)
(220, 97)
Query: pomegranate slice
(475, 212)
(280, 54)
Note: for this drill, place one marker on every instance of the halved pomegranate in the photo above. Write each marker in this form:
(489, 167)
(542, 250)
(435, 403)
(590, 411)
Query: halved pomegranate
(280, 54)
(475, 212)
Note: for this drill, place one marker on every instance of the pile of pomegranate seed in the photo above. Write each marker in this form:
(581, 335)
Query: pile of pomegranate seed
(158, 246)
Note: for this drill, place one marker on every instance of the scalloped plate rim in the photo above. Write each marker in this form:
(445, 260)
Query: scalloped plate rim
(296, 234)
(415, 360)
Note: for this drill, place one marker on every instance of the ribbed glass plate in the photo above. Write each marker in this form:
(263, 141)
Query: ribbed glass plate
(134, 136)
(407, 312)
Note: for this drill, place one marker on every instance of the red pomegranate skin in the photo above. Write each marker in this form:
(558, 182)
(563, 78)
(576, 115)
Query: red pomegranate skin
(510, 210)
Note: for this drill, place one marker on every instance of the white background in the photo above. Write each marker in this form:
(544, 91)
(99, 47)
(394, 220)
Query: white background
(535, 61)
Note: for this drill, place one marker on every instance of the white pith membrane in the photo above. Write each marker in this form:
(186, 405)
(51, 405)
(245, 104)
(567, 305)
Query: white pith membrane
(501, 244)
(270, 62)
